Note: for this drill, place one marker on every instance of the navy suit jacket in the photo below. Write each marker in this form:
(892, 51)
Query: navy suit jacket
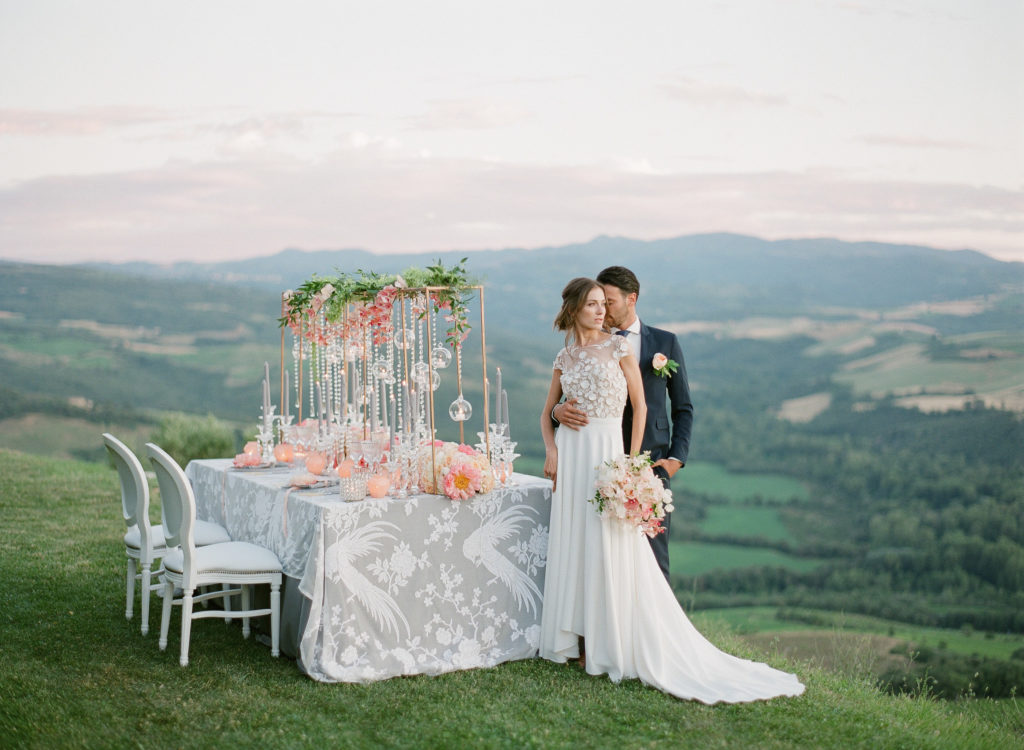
(657, 392)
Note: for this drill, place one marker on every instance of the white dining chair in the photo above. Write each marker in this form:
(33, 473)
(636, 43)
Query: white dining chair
(144, 543)
(188, 566)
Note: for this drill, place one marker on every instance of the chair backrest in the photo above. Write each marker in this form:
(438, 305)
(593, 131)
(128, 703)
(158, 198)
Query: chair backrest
(178, 502)
(134, 488)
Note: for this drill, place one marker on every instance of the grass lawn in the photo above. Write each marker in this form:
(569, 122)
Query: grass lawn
(74, 673)
(695, 558)
(714, 479)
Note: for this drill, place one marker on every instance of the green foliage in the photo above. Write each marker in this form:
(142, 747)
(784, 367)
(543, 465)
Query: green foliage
(187, 437)
(949, 675)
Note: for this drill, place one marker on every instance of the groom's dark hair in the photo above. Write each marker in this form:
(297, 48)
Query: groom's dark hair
(620, 277)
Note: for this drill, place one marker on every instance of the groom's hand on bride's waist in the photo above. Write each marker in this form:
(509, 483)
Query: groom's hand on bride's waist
(568, 414)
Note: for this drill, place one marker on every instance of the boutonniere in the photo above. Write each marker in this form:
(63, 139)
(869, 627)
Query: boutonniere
(663, 366)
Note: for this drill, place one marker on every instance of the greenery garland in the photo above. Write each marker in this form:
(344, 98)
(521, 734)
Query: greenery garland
(333, 294)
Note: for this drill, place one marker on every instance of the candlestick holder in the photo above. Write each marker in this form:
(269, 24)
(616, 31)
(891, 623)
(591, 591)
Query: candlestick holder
(265, 436)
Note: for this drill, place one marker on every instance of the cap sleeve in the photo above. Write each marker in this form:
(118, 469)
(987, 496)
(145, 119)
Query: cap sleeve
(622, 348)
(561, 360)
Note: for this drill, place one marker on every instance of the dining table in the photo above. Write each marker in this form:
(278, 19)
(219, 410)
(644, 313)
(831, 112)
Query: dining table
(382, 587)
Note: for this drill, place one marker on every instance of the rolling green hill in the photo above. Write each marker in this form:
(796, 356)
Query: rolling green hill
(826, 472)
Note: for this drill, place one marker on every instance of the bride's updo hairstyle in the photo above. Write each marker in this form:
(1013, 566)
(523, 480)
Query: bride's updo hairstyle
(574, 297)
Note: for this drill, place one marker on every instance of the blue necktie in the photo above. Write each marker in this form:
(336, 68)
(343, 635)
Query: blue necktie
(622, 332)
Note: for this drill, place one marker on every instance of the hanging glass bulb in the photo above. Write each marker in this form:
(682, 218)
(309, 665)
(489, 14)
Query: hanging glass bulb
(435, 379)
(382, 371)
(440, 357)
(460, 410)
(404, 339)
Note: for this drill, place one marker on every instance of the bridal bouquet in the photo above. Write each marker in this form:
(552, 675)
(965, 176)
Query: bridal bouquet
(628, 490)
(461, 471)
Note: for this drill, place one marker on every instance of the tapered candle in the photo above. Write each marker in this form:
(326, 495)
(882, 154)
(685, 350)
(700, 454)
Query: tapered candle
(391, 432)
(497, 400)
(319, 407)
(384, 404)
(284, 406)
(504, 411)
(266, 388)
(407, 406)
(327, 387)
(374, 424)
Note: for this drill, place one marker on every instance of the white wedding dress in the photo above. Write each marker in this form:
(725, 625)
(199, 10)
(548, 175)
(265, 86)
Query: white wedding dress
(602, 581)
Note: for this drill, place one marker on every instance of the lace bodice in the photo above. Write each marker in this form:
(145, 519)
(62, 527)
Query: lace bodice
(593, 376)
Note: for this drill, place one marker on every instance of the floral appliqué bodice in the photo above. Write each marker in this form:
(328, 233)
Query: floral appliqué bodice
(593, 376)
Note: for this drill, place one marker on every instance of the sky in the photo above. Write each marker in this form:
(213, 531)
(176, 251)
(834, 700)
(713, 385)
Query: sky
(227, 129)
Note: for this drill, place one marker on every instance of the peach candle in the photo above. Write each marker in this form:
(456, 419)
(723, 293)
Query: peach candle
(345, 468)
(316, 463)
(378, 485)
(284, 453)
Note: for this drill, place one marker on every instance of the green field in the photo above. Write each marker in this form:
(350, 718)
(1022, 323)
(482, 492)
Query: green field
(696, 558)
(65, 437)
(746, 521)
(714, 479)
(908, 368)
(749, 620)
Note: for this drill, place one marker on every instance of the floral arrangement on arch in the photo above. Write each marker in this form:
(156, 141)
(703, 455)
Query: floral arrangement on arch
(628, 491)
(461, 471)
(363, 302)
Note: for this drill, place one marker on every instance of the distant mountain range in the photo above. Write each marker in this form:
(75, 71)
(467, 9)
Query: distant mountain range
(705, 276)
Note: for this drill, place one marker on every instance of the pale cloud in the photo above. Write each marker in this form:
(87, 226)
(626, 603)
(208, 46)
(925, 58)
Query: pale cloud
(387, 201)
(469, 114)
(684, 88)
(81, 121)
(897, 141)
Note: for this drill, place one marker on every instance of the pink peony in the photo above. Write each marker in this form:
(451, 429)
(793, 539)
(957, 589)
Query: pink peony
(462, 481)
(466, 449)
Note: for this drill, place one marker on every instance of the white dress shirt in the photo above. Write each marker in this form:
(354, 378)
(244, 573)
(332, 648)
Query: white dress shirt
(633, 337)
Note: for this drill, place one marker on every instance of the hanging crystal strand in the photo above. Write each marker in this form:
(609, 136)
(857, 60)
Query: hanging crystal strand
(440, 357)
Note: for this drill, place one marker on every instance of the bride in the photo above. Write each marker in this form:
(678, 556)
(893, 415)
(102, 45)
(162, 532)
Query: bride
(603, 586)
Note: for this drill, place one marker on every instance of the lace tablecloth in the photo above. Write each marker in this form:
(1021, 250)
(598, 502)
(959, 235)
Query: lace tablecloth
(422, 585)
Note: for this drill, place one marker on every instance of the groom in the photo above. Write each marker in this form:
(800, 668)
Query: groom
(668, 450)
